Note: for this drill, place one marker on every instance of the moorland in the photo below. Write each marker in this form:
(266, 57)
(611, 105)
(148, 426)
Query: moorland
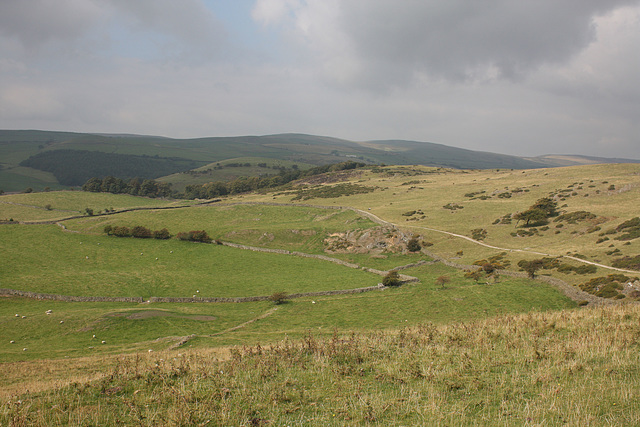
(503, 314)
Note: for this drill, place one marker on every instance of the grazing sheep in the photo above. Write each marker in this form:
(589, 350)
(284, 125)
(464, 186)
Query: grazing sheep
(104, 342)
(12, 342)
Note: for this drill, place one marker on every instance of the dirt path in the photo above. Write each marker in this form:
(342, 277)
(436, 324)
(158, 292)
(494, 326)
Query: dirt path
(248, 322)
(381, 221)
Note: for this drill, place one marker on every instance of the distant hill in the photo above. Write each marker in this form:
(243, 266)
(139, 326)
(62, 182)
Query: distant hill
(18, 169)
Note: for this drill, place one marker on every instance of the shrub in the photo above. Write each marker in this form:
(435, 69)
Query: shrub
(586, 269)
(476, 275)
(141, 232)
(121, 231)
(161, 234)
(108, 229)
(442, 281)
(392, 279)
(278, 297)
(478, 233)
(627, 262)
(195, 236)
(413, 245)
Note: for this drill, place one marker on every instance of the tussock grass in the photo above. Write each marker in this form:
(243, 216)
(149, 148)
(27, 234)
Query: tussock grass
(577, 367)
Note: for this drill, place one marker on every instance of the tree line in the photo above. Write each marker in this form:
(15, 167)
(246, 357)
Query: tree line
(253, 183)
(152, 188)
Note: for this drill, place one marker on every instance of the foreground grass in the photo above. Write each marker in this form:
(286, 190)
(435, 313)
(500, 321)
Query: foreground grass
(577, 367)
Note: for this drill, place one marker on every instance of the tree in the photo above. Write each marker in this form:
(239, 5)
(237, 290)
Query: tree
(532, 217)
(531, 267)
(547, 205)
(392, 279)
(413, 245)
(278, 297)
(442, 281)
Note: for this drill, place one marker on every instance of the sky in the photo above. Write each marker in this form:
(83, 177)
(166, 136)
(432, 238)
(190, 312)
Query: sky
(526, 77)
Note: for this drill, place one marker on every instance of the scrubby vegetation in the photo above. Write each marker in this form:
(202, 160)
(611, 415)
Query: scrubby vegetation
(138, 231)
(610, 286)
(331, 191)
(248, 184)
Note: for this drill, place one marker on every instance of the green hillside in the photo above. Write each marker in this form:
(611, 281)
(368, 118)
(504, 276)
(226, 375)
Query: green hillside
(280, 319)
(40, 159)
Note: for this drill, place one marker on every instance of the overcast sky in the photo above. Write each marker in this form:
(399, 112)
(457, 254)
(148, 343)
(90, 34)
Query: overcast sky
(525, 77)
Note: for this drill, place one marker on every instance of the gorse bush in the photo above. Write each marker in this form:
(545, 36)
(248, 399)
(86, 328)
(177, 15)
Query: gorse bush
(392, 279)
(194, 236)
(137, 231)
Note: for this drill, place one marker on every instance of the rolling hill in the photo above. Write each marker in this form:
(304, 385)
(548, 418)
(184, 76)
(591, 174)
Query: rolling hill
(29, 158)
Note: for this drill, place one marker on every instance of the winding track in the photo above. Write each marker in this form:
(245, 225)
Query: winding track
(477, 242)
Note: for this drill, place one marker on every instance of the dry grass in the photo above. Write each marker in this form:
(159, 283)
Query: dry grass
(577, 367)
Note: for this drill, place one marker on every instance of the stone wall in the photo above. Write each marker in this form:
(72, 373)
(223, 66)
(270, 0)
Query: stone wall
(68, 298)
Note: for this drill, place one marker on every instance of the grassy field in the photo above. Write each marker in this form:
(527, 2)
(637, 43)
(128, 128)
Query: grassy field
(402, 190)
(86, 265)
(62, 204)
(559, 368)
(292, 228)
(519, 357)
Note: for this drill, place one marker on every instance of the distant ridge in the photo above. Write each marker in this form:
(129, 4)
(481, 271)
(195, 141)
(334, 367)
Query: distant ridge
(19, 145)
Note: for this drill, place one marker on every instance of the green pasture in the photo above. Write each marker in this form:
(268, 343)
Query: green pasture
(60, 204)
(293, 228)
(139, 327)
(460, 300)
(45, 259)
(70, 328)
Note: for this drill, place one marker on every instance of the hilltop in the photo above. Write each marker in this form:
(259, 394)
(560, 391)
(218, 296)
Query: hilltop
(57, 160)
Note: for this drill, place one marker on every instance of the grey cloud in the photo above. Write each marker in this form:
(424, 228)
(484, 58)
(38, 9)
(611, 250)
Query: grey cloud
(37, 22)
(459, 40)
(189, 23)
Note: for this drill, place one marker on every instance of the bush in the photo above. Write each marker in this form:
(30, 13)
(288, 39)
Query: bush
(121, 231)
(278, 297)
(392, 279)
(141, 232)
(195, 236)
(161, 234)
(478, 233)
(413, 245)
(442, 281)
(108, 229)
